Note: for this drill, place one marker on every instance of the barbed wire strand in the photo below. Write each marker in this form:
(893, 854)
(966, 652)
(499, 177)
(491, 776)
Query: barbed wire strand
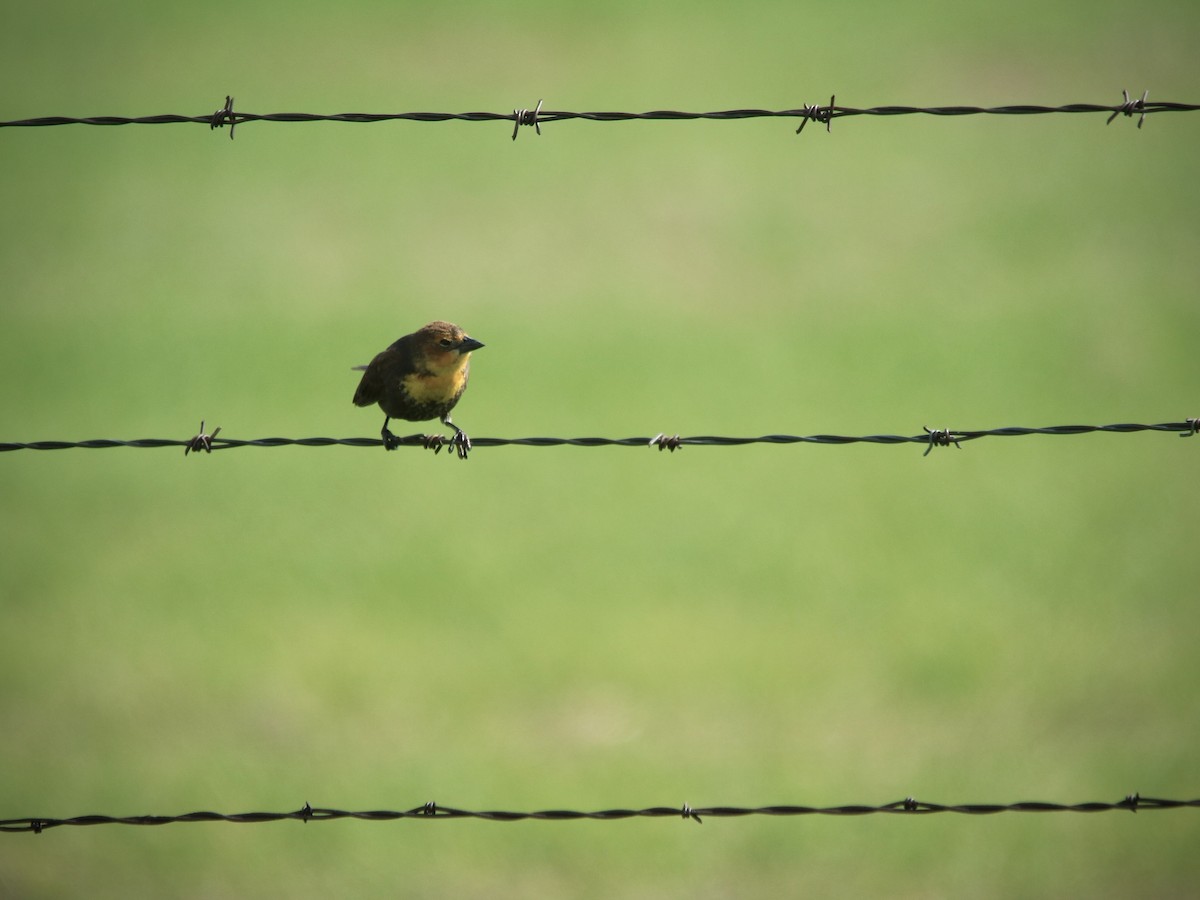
(932, 437)
(907, 806)
(537, 117)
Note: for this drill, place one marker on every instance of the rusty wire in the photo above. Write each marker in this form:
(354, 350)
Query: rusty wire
(931, 438)
(907, 806)
(537, 117)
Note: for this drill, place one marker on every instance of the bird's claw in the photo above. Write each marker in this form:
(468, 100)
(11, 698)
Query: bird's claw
(462, 444)
(390, 441)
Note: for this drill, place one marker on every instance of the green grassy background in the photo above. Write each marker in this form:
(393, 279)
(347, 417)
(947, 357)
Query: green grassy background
(578, 628)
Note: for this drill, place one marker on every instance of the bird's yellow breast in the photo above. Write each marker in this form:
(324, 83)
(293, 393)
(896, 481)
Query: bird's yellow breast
(436, 387)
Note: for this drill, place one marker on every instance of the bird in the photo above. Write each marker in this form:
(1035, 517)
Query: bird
(421, 376)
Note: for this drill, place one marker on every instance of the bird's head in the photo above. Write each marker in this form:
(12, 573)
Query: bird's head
(445, 346)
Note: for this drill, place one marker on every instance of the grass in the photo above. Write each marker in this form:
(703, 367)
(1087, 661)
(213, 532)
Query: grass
(549, 628)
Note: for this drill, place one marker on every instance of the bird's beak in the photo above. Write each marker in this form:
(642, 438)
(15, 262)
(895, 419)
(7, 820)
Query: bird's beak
(468, 344)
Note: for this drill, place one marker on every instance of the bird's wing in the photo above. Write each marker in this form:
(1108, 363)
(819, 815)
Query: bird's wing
(369, 388)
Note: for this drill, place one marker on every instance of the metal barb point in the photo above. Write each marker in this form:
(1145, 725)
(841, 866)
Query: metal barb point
(1193, 427)
(665, 442)
(1132, 802)
(429, 809)
(1129, 107)
(819, 114)
(689, 813)
(910, 804)
(223, 115)
(939, 437)
(527, 117)
(201, 441)
(306, 813)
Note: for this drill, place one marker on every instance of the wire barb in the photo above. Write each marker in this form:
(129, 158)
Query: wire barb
(1129, 107)
(663, 442)
(223, 115)
(433, 442)
(201, 441)
(689, 813)
(940, 437)
(1193, 427)
(818, 114)
(460, 445)
(527, 117)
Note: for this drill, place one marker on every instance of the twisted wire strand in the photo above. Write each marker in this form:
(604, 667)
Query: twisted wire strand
(907, 806)
(227, 115)
(931, 438)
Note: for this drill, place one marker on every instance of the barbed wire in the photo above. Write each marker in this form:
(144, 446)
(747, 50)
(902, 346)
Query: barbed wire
(537, 117)
(907, 806)
(932, 437)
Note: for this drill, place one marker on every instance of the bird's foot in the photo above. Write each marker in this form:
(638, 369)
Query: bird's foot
(462, 443)
(390, 441)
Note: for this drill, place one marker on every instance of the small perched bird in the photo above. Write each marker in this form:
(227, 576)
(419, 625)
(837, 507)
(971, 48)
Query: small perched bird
(419, 377)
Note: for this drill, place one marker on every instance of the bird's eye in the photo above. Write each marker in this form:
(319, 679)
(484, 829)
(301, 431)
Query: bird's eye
(446, 342)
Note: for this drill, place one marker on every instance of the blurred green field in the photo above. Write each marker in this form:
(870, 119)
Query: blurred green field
(592, 628)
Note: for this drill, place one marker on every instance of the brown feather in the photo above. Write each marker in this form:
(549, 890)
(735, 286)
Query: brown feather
(420, 376)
